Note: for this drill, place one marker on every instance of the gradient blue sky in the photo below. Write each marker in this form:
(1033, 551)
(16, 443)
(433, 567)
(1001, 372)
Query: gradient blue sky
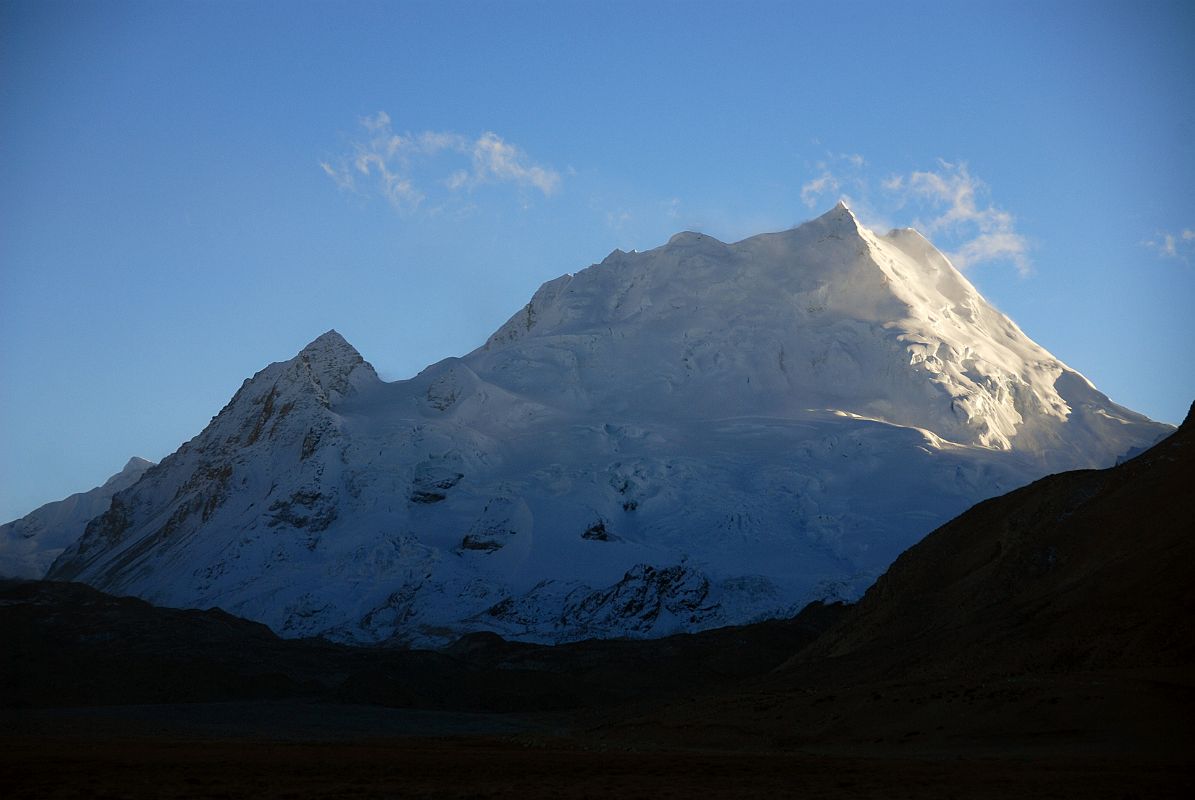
(191, 190)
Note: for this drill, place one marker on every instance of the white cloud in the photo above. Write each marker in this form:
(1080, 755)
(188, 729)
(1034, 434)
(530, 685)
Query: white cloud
(618, 219)
(378, 121)
(1180, 246)
(954, 196)
(954, 188)
(343, 178)
(494, 159)
(403, 168)
(1168, 246)
(812, 190)
(948, 203)
(432, 142)
(999, 246)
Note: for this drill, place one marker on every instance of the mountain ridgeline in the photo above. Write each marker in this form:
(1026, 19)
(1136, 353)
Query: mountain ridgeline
(30, 544)
(698, 435)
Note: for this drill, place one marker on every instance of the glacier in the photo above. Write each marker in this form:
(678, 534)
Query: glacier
(697, 435)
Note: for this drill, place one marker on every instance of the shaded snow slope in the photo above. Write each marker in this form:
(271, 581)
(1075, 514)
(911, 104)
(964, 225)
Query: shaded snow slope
(30, 544)
(697, 435)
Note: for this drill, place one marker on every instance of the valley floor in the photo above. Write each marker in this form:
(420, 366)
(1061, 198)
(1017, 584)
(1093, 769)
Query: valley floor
(477, 767)
(283, 750)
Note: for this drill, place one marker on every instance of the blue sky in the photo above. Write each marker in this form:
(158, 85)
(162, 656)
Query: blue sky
(191, 190)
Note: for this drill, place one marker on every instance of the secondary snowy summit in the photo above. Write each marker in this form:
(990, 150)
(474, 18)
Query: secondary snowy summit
(697, 435)
(30, 544)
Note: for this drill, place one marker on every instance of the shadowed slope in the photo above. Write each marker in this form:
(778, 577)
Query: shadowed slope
(69, 645)
(1081, 570)
(1052, 619)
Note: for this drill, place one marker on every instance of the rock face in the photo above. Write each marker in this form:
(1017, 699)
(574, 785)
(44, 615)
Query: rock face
(698, 435)
(30, 544)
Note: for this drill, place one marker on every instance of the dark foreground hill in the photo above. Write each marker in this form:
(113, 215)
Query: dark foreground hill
(1039, 645)
(1054, 618)
(66, 644)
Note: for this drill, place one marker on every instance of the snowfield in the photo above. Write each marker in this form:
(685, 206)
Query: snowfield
(697, 435)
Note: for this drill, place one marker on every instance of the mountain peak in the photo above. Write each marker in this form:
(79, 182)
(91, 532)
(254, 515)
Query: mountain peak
(328, 369)
(840, 216)
(137, 463)
(30, 544)
(329, 340)
(336, 364)
(691, 238)
(331, 353)
(713, 432)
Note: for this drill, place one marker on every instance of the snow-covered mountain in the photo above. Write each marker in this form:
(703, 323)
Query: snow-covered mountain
(697, 435)
(30, 544)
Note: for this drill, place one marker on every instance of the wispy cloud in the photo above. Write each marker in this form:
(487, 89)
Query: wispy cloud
(854, 159)
(956, 198)
(828, 183)
(947, 203)
(405, 168)
(494, 159)
(1178, 246)
(823, 184)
